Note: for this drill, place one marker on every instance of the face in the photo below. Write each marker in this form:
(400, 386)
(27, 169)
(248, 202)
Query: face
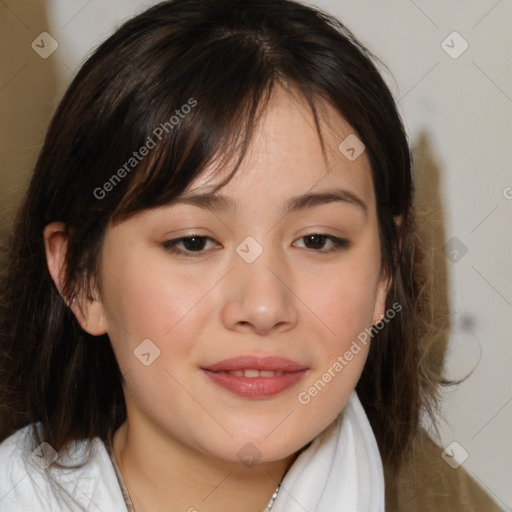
(246, 302)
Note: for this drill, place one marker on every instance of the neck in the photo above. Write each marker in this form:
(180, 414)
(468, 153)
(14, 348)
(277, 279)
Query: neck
(166, 475)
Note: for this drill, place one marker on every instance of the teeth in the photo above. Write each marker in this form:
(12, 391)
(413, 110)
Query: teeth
(269, 373)
(251, 373)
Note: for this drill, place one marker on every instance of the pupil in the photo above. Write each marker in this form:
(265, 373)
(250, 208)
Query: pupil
(195, 243)
(316, 240)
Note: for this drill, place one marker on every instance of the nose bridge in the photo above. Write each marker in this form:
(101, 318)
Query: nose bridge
(257, 265)
(257, 294)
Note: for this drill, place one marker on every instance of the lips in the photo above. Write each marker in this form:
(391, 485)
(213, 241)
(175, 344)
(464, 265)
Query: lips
(255, 376)
(261, 363)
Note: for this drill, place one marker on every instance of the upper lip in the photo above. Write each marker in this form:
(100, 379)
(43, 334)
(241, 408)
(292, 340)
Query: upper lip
(262, 363)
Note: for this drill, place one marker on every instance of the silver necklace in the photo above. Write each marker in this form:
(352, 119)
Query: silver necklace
(274, 496)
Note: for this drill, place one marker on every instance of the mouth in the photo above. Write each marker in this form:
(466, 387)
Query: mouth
(252, 373)
(256, 377)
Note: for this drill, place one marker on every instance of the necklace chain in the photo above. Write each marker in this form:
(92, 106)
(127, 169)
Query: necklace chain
(120, 478)
(274, 496)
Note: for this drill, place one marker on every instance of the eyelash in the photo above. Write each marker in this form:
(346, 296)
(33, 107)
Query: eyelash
(171, 245)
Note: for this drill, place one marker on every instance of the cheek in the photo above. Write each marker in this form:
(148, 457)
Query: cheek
(172, 311)
(141, 304)
(344, 299)
(171, 314)
(145, 296)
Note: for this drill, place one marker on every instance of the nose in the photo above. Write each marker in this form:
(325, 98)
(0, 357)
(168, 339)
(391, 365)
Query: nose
(258, 297)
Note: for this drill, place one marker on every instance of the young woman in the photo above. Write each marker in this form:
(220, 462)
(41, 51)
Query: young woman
(210, 302)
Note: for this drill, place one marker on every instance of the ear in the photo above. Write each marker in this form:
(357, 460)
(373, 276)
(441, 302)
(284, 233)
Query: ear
(91, 315)
(380, 298)
(384, 285)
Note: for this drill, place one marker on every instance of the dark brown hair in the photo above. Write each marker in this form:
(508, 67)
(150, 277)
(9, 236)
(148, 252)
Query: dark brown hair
(226, 56)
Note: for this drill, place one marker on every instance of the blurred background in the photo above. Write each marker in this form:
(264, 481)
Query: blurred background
(449, 66)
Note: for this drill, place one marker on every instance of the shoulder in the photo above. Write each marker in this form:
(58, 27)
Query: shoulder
(35, 477)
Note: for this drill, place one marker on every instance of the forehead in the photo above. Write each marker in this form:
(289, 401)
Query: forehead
(285, 156)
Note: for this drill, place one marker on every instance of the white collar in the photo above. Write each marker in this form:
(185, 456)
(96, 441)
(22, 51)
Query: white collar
(340, 470)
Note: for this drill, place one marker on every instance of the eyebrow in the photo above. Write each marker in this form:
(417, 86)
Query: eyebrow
(220, 203)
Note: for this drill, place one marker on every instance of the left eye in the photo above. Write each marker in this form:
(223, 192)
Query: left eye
(315, 240)
(196, 244)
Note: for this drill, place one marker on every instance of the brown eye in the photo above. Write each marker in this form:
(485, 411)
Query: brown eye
(191, 244)
(317, 241)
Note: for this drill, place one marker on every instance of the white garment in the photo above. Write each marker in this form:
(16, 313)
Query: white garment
(341, 470)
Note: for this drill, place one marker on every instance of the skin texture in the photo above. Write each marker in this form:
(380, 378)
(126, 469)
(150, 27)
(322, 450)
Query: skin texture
(178, 448)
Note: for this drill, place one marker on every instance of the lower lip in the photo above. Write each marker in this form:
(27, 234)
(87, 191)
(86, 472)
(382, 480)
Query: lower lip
(255, 387)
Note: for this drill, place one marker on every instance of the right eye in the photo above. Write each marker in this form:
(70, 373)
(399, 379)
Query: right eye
(191, 244)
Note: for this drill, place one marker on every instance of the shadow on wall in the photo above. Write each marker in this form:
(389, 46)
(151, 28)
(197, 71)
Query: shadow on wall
(430, 220)
(426, 483)
(28, 89)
